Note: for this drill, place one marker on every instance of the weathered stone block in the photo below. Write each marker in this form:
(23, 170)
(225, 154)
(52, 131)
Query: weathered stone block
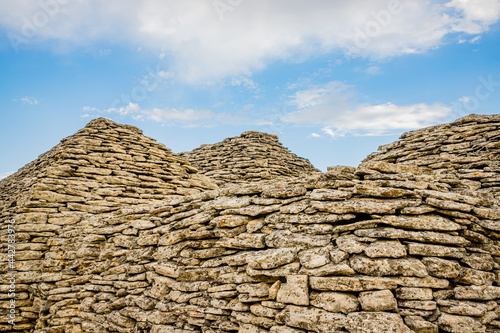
(384, 267)
(371, 322)
(380, 300)
(335, 301)
(295, 290)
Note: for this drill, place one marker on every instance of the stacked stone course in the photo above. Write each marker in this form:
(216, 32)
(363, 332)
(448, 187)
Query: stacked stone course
(469, 148)
(380, 248)
(250, 157)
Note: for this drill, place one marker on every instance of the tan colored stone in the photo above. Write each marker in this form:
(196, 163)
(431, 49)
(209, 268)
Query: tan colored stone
(379, 300)
(294, 291)
(335, 301)
(374, 322)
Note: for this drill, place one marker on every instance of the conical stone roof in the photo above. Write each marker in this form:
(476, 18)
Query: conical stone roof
(102, 169)
(103, 166)
(469, 148)
(252, 156)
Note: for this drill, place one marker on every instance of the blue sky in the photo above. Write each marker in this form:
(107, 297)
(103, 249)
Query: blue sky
(333, 79)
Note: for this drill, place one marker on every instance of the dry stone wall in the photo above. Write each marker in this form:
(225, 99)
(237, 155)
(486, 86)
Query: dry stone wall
(380, 248)
(251, 157)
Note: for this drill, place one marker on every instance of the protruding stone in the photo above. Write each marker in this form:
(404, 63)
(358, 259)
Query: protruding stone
(380, 300)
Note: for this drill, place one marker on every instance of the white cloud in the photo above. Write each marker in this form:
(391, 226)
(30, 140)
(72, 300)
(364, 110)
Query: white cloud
(315, 135)
(27, 100)
(321, 94)
(373, 70)
(165, 75)
(335, 107)
(130, 108)
(90, 109)
(334, 133)
(464, 99)
(104, 52)
(6, 174)
(199, 46)
(475, 15)
(170, 116)
(475, 39)
(243, 81)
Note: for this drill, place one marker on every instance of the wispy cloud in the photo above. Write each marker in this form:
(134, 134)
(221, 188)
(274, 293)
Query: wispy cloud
(373, 70)
(27, 100)
(335, 108)
(104, 52)
(170, 116)
(198, 46)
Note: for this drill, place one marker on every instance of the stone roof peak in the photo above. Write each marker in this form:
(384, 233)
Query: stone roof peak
(105, 123)
(256, 134)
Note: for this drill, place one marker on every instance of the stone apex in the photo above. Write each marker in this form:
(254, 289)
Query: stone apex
(256, 134)
(251, 157)
(104, 123)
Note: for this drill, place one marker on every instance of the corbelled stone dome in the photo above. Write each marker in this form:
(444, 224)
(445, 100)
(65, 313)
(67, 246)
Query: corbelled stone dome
(252, 156)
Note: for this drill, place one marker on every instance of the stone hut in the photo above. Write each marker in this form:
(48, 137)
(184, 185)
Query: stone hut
(250, 157)
(115, 233)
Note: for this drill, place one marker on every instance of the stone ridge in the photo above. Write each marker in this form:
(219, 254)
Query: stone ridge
(251, 157)
(469, 148)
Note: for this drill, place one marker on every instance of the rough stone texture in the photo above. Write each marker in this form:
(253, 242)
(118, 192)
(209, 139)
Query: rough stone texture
(252, 156)
(380, 300)
(467, 148)
(294, 291)
(115, 233)
(374, 322)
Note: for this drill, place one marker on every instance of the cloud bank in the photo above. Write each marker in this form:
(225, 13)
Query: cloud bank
(335, 107)
(209, 40)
